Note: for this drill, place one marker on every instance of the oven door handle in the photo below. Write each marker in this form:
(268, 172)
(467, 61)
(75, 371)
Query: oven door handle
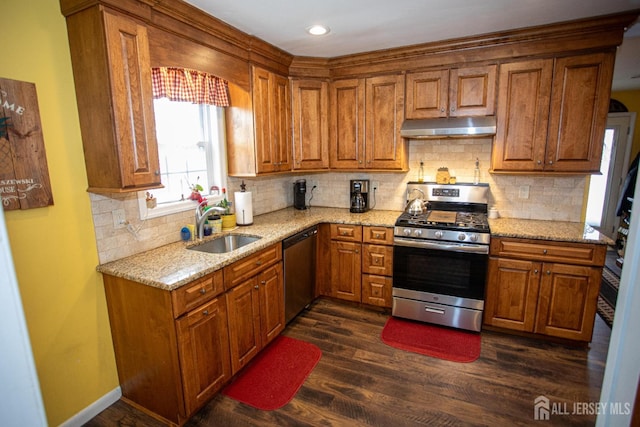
(442, 246)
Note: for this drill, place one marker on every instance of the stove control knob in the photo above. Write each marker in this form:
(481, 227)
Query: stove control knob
(417, 233)
(438, 234)
(474, 237)
(406, 231)
(461, 236)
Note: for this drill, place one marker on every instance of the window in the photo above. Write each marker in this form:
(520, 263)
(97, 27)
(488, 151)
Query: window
(191, 148)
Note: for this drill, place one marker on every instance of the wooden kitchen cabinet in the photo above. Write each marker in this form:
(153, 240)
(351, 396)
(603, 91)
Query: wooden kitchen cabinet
(255, 305)
(365, 120)
(310, 100)
(465, 91)
(552, 113)
(359, 267)
(203, 339)
(271, 109)
(547, 288)
(112, 74)
(345, 261)
(171, 347)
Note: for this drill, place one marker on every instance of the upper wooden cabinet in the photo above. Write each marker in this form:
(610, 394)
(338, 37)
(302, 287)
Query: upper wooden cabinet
(112, 73)
(271, 110)
(552, 113)
(366, 115)
(259, 126)
(452, 92)
(310, 100)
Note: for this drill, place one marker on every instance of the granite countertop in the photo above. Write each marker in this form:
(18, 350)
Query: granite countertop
(576, 232)
(171, 266)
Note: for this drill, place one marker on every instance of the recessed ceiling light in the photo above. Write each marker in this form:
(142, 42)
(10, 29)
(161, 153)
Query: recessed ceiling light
(318, 30)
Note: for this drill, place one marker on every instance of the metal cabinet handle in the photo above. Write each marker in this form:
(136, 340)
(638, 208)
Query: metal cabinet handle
(550, 162)
(357, 251)
(539, 162)
(259, 262)
(453, 109)
(433, 310)
(157, 173)
(535, 271)
(263, 282)
(256, 287)
(442, 109)
(206, 312)
(544, 251)
(203, 291)
(549, 272)
(377, 236)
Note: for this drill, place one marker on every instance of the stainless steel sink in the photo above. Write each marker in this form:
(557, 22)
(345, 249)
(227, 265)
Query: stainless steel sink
(224, 244)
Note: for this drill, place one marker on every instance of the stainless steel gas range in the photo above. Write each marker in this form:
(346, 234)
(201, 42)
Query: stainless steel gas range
(441, 253)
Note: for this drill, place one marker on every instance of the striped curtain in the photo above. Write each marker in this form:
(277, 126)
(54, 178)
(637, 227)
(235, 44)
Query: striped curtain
(182, 84)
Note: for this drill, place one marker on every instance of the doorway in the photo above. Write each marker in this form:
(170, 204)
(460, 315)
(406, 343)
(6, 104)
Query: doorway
(604, 189)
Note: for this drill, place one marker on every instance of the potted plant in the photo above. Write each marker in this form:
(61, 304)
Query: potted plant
(228, 218)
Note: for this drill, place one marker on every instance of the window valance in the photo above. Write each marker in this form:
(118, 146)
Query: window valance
(183, 84)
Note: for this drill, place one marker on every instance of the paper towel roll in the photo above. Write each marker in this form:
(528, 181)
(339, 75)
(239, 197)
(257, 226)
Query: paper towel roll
(244, 208)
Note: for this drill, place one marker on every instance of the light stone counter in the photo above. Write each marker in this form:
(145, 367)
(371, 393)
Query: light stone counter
(577, 232)
(171, 266)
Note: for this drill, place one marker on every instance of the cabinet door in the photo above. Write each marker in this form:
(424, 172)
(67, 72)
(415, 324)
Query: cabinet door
(568, 300)
(523, 115)
(203, 341)
(377, 259)
(261, 94)
(427, 94)
(579, 107)
(131, 92)
(280, 125)
(512, 294)
(310, 124)
(346, 137)
(472, 91)
(376, 290)
(271, 302)
(345, 270)
(384, 147)
(244, 323)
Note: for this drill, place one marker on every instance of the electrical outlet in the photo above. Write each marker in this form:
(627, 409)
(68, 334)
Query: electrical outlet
(375, 184)
(119, 219)
(524, 192)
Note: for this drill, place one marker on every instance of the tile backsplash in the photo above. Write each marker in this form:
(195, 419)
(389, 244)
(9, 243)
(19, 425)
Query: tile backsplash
(548, 197)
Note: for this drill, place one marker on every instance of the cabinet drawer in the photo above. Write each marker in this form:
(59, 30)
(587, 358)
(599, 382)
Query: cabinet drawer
(376, 290)
(347, 232)
(571, 253)
(379, 235)
(377, 259)
(235, 273)
(192, 295)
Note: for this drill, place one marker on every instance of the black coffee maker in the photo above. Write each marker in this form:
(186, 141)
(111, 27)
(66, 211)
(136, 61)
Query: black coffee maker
(299, 194)
(359, 189)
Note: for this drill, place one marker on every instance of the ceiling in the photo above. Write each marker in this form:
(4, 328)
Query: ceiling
(366, 25)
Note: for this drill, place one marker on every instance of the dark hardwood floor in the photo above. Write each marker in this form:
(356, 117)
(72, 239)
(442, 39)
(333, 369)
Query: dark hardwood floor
(362, 381)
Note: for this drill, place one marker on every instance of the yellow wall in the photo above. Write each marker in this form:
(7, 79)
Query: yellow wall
(631, 99)
(54, 248)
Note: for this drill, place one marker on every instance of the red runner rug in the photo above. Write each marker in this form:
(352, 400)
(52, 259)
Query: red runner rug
(431, 340)
(272, 379)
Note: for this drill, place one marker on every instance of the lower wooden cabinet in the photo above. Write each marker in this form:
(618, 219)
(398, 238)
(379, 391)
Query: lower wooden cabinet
(176, 349)
(539, 295)
(256, 315)
(203, 336)
(360, 264)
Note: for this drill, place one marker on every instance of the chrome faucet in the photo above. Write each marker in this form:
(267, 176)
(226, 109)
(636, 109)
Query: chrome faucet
(202, 215)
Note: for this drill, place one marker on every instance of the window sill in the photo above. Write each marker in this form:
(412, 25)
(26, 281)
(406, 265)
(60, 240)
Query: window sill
(165, 209)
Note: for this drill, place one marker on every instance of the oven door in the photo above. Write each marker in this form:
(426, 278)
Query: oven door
(443, 272)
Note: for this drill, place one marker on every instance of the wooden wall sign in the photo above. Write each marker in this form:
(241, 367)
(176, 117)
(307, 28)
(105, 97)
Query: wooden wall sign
(24, 175)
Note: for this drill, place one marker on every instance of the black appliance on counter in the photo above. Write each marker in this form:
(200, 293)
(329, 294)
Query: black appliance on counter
(359, 193)
(299, 194)
(441, 255)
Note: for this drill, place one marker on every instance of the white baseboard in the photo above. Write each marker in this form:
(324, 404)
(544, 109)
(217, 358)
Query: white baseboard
(94, 409)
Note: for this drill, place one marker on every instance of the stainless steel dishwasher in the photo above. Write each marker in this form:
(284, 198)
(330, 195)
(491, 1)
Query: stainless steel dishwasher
(299, 254)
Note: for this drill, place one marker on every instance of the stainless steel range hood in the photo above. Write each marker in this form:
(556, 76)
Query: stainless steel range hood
(449, 127)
